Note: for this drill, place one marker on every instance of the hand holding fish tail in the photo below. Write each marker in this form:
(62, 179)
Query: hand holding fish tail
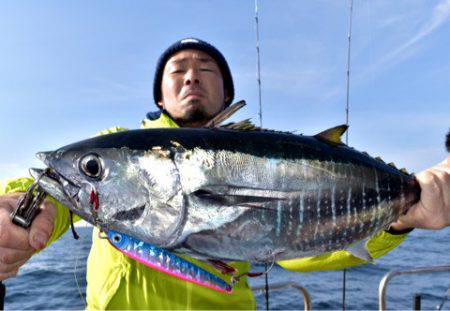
(17, 244)
(433, 209)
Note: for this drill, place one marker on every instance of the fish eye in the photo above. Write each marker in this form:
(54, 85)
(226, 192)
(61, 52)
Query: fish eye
(91, 165)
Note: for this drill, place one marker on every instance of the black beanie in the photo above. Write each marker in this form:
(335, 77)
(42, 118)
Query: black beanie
(195, 44)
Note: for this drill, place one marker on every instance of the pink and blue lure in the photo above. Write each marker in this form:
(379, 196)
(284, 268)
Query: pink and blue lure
(166, 262)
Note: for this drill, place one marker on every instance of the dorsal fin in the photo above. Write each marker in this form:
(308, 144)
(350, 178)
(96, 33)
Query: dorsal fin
(244, 125)
(225, 114)
(333, 135)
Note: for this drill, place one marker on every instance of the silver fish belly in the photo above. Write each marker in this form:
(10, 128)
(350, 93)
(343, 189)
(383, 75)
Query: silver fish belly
(280, 208)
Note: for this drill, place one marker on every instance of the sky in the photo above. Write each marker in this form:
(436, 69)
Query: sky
(69, 69)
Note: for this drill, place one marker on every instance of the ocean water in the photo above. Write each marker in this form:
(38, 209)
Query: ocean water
(49, 280)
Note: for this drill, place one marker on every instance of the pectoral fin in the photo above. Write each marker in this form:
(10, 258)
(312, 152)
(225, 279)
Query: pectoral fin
(241, 196)
(225, 114)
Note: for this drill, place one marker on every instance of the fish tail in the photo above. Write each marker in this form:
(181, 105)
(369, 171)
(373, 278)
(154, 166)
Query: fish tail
(447, 141)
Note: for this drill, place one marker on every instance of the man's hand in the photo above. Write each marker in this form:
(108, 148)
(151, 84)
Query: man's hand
(433, 209)
(17, 244)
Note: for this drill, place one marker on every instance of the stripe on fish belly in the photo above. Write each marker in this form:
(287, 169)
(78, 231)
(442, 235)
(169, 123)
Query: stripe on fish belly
(166, 262)
(332, 215)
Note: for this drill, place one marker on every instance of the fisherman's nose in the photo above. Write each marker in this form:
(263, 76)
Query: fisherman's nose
(191, 77)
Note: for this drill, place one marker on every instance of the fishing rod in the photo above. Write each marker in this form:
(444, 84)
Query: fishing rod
(258, 79)
(347, 110)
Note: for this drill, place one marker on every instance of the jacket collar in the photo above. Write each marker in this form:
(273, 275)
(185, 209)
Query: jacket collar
(152, 120)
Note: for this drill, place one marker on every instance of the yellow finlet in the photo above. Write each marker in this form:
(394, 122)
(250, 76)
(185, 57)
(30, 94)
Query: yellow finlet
(404, 171)
(391, 164)
(379, 159)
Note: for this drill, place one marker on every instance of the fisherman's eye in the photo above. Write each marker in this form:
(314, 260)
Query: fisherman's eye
(177, 71)
(91, 165)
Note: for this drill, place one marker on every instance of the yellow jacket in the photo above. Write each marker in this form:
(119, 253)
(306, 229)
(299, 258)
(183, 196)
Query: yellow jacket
(115, 281)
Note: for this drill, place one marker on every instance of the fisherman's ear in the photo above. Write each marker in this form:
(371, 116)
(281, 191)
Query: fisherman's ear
(160, 104)
(227, 97)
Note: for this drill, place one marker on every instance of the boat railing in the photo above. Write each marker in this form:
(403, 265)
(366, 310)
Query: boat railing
(389, 276)
(284, 285)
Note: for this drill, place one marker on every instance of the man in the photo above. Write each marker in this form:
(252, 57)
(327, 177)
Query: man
(192, 84)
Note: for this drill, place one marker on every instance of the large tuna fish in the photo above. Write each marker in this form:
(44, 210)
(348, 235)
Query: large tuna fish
(227, 194)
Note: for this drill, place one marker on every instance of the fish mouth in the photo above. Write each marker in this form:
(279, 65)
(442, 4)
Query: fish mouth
(57, 186)
(62, 189)
(51, 174)
(129, 215)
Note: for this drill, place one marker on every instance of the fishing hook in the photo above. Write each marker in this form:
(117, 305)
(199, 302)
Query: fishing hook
(236, 278)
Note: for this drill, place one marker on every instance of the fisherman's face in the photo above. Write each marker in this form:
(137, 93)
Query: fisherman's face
(192, 88)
